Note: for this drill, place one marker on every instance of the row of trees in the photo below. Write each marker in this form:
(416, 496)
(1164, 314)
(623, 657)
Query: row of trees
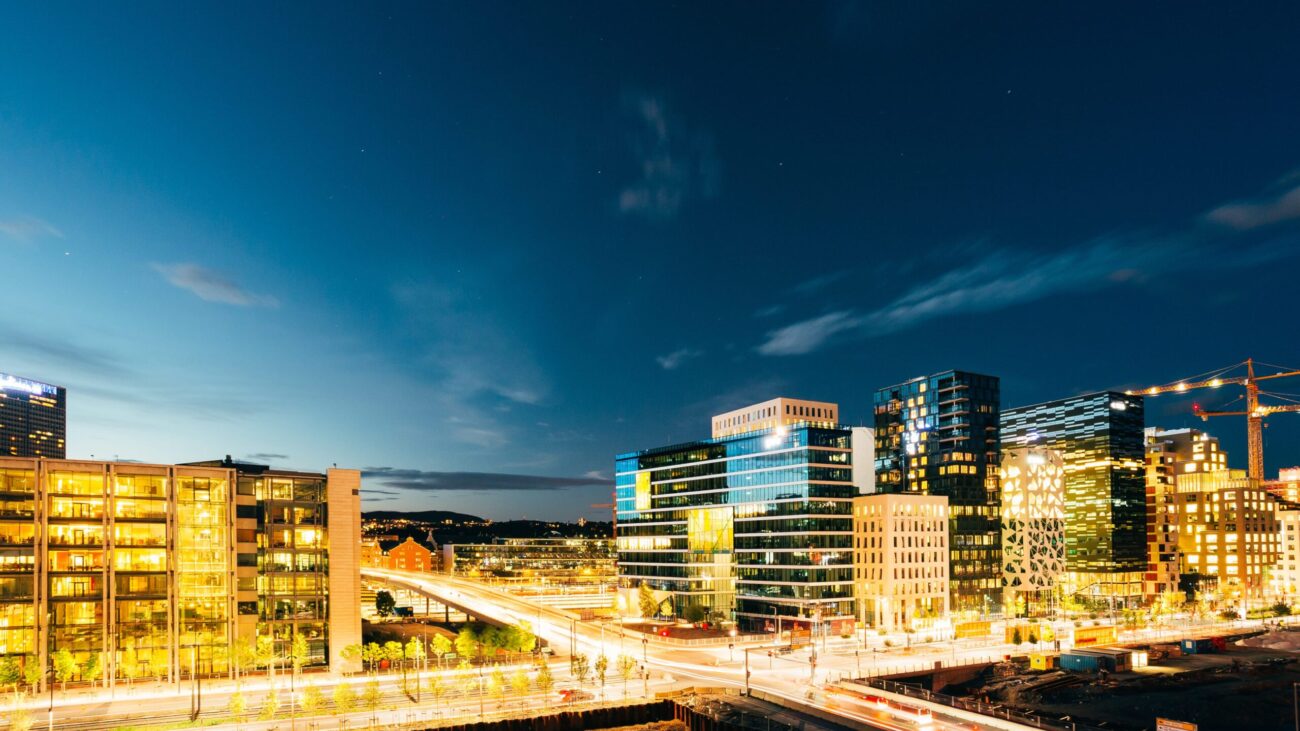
(15, 671)
(473, 642)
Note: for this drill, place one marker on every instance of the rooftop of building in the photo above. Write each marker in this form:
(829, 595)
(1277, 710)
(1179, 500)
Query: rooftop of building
(10, 382)
(707, 441)
(251, 468)
(1080, 397)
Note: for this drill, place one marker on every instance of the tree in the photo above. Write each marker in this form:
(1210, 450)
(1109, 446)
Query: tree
(490, 640)
(694, 613)
(345, 699)
(525, 640)
(10, 673)
(414, 650)
(271, 706)
(437, 689)
(371, 698)
(372, 654)
(311, 698)
(1016, 637)
(393, 653)
(645, 596)
(496, 686)
(32, 671)
(92, 670)
(243, 655)
(545, 683)
(65, 667)
(298, 651)
(520, 683)
(581, 667)
(384, 603)
(1282, 609)
(625, 666)
(602, 668)
(237, 704)
(466, 641)
(1033, 638)
(351, 653)
(441, 646)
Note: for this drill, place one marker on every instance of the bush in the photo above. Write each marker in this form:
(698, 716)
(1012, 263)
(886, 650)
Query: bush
(1282, 609)
(1229, 614)
(694, 613)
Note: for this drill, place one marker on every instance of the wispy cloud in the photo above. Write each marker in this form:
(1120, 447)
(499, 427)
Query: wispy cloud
(808, 335)
(818, 283)
(25, 229)
(1264, 211)
(1002, 278)
(431, 481)
(769, 311)
(268, 456)
(676, 164)
(212, 286)
(677, 358)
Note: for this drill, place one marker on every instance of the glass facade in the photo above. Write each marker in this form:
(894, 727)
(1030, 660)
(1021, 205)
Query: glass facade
(750, 526)
(33, 418)
(1100, 437)
(939, 435)
(139, 567)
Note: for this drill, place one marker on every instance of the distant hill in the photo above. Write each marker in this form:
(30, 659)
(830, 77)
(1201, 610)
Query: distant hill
(473, 529)
(424, 516)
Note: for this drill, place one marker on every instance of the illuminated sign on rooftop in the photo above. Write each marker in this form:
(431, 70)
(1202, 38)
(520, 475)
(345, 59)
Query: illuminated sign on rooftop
(35, 388)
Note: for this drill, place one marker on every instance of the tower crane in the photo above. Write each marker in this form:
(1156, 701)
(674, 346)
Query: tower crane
(1254, 411)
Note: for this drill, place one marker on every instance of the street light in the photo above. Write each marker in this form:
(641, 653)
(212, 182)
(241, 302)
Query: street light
(645, 667)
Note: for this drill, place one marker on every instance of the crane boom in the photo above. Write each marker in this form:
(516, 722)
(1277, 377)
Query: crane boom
(1254, 413)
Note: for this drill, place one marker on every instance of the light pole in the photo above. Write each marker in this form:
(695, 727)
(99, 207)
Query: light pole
(645, 667)
(747, 649)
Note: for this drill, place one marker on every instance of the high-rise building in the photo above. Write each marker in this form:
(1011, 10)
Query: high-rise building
(1163, 573)
(756, 525)
(774, 413)
(938, 435)
(1100, 437)
(1228, 534)
(1033, 528)
(33, 418)
(901, 560)
(146, 569)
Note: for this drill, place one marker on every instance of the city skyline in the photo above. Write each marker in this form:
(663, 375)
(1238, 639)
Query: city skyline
(480, 270)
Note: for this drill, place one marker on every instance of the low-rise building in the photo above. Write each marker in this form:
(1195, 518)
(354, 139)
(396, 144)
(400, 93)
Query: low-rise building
(1285, 577)
(411, 555)
(900, 560)
(521, 560)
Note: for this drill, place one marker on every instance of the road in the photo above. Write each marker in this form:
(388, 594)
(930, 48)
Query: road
(784, 677)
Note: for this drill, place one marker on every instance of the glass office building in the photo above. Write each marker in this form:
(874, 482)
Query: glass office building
(754, 526)
(1100, 437)
(138, 568)
(938, 435)
(33, 418)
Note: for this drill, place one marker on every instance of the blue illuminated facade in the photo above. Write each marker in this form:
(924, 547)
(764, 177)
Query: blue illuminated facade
(749, 527)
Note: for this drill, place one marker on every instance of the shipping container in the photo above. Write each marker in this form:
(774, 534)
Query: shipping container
(1043, 661)
(1080, 663)
(1197, 647)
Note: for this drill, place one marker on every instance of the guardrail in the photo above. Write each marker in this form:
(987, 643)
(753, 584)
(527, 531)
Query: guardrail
(971, 705)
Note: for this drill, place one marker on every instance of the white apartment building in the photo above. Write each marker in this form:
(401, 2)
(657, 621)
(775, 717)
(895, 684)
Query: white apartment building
(900, 560)
(1285, 578)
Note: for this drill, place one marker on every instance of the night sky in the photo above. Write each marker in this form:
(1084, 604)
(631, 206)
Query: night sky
(437, 238)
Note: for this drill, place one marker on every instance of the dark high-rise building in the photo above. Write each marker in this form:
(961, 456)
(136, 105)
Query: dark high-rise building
(1100, 437)
(33, 418)
(938, 435)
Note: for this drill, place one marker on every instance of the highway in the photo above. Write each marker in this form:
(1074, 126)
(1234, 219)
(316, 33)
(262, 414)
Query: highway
(789, 678)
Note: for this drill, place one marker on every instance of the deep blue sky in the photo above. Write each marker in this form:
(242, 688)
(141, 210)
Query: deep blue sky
(442, 238)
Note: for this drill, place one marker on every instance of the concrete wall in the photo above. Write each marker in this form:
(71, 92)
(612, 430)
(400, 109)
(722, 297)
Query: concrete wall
(344, 495)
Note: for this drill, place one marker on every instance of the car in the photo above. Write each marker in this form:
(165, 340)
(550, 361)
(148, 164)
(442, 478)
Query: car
(784, 650)
(574, 695)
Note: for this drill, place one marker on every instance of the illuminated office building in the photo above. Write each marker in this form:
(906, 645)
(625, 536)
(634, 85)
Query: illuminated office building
(1228, 534)
(938, 435)
(152, 571)
(756, 525)
(1285, 578)
(33, 418)
(1192, 450)
(1033, 528)
(1163, 573)
(1100, 437)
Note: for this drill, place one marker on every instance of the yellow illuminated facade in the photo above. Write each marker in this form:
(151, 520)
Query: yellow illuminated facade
(1227, 531)
(130, 567)
(1033, 527)
(900, 560)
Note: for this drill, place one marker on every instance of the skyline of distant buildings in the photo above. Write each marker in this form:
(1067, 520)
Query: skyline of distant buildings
(33, 418)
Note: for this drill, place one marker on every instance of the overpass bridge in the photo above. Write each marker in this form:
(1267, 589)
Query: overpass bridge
(444, 596)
